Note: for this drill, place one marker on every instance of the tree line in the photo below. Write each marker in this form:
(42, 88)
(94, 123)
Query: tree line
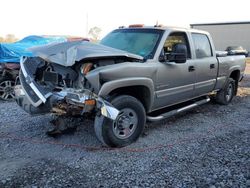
(8, 38)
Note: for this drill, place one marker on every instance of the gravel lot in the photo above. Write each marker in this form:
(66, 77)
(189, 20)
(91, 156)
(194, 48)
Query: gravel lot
(206, 147)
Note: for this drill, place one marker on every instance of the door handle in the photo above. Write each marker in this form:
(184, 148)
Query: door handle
(191, 68)
(212, 66)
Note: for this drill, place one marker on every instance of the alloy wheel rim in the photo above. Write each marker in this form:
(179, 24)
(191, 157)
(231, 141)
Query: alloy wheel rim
(7, 90)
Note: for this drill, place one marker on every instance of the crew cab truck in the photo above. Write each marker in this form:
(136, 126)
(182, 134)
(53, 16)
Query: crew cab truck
(128, 78)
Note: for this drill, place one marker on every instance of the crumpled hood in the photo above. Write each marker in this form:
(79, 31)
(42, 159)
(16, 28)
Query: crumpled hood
(67, 53)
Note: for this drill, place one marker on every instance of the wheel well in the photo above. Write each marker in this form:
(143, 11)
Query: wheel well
(236, 76)
(142, 93)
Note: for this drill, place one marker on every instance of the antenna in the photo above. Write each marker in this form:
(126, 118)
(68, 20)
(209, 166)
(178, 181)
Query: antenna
(87, 24)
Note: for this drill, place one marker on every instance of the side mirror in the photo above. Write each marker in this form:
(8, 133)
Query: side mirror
(178, 54)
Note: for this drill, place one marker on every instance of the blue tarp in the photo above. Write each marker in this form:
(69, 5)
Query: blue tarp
(11, 52)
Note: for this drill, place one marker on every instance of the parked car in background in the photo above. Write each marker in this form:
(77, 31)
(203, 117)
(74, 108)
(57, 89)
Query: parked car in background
(237, 50)
(10, 54)
(8, 75)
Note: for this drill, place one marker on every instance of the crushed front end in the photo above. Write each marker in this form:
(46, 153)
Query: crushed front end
(52, 88)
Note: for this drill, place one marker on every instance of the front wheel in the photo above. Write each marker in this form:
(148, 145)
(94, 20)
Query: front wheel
(226, 95)
(128, 125)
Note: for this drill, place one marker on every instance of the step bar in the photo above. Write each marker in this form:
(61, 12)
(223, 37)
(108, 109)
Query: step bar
(177, 111)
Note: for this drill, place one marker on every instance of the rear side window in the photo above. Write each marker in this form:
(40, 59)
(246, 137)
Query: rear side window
(202, 46)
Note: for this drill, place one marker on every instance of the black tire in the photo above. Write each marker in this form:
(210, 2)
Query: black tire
(225, 95)
(7, 88)
(126, 128)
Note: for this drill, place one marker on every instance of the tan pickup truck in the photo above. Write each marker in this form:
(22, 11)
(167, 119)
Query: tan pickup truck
(135, 74)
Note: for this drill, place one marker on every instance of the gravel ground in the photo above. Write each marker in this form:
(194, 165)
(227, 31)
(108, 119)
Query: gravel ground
(205, 147)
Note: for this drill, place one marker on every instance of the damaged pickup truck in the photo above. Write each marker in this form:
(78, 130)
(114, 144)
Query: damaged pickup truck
(135, 74)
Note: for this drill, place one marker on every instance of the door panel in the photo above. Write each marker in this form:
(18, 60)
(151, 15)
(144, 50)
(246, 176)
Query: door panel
(206, 72)
(174, 83)
(206, 64)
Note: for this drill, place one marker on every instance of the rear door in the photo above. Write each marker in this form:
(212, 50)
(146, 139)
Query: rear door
(205, 63)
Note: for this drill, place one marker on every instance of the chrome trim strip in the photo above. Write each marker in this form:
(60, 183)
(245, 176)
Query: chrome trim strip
(205, 83)
(39, 94)
(175, 90)
(222, 78)
(22, 67)
(32, 85)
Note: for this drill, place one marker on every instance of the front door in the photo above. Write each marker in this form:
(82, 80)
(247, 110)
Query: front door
(174, 81)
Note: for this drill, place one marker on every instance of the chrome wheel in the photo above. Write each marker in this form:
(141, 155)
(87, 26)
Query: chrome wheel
(125, 124)
(7, 89)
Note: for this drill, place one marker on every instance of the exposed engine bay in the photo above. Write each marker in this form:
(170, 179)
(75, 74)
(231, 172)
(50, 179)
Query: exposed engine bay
(74, 93)
(55, 77)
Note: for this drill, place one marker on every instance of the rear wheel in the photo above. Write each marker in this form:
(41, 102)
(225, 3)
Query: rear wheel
(226, 95)
(127, 127)
(7, 88)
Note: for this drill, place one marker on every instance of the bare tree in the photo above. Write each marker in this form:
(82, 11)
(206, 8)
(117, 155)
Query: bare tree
(1, 39)
(94, 33)
(8, 38)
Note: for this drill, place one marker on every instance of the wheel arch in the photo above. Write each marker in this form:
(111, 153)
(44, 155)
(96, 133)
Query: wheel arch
(140, 88)
(235, 75)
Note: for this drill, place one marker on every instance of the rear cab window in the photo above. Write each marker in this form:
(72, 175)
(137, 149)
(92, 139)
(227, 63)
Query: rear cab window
(202, 45)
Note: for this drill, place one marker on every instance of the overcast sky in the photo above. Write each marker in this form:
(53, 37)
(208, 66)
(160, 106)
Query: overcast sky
(75, 17)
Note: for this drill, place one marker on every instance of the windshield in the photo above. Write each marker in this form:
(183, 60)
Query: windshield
(142, 42)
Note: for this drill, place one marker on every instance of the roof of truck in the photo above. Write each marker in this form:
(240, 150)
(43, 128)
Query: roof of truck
(163, 27)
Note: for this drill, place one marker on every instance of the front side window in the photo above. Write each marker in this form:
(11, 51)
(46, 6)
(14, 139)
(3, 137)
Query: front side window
(176, 38)
(142, 42)
(202, 46)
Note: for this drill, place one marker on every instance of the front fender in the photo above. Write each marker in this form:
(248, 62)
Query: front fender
(126, 82)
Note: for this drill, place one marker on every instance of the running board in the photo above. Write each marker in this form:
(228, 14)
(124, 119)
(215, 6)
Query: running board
(177, 111)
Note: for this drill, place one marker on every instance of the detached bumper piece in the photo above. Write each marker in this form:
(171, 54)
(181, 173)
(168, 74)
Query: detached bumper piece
(35, 93)
(23, 101)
